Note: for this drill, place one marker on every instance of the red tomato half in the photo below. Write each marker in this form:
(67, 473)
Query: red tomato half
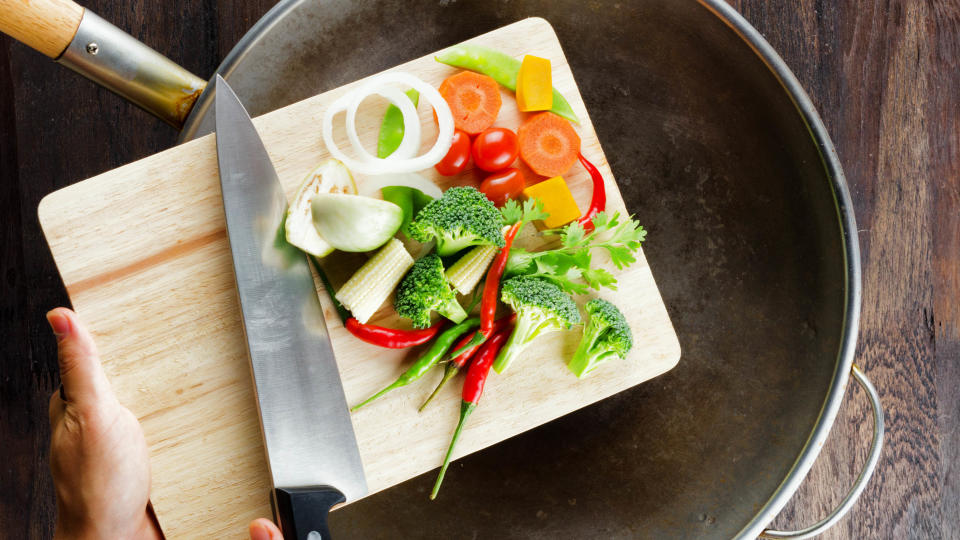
(503, 185)
(495, 149)
(457, 157)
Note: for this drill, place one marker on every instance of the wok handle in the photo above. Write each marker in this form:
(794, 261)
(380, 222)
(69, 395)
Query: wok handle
(82, 41)
(47, 26)
(861, 481)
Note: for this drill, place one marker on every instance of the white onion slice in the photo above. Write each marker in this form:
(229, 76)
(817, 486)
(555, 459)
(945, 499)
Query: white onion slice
(371, 184)
(366, 163)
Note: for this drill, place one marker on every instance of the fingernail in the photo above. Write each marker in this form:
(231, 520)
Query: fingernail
(259, 532)
(59, 323)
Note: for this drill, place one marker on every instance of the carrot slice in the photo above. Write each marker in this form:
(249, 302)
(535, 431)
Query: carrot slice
(474, 100)
(548, 144)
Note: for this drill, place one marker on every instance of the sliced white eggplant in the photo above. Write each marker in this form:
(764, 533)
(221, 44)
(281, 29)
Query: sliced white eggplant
(331, 176)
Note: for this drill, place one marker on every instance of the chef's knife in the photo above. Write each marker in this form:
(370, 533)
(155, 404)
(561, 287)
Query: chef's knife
(310, 444)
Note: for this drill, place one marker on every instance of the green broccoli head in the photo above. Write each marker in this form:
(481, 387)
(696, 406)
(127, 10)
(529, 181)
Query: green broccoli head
(425, 289)
(541, 307)
(606, 335)
(461, 218)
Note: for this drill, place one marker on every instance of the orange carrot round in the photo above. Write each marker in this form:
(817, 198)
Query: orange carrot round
(548, 144)
(474, 100)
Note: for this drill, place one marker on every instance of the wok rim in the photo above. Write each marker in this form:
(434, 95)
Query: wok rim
(851, 255)
(842, 204)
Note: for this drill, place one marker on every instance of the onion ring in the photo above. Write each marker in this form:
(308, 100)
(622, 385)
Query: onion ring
(373, 183)
(404, 163)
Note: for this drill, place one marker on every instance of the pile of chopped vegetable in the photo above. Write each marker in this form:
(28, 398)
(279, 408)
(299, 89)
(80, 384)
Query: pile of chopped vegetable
(469, 261)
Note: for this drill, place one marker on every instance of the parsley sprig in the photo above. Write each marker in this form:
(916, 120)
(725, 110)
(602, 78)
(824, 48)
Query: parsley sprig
(569, 265)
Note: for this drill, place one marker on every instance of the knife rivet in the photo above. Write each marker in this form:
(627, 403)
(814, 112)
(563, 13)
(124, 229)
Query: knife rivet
(93, 48)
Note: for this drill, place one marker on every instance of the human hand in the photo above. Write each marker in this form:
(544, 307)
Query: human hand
(98, 455)
(264, 529)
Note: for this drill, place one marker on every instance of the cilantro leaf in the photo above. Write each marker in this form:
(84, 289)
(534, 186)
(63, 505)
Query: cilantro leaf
(573, 235)
(569, 266)
(597, 278)
(512, 212)
(530, 210)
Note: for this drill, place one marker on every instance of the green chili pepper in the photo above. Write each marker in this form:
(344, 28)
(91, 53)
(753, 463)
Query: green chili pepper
(477, 339)
(502, 67)
(429, 358)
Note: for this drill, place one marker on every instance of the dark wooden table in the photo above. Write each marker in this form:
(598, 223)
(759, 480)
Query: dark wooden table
(885, 77)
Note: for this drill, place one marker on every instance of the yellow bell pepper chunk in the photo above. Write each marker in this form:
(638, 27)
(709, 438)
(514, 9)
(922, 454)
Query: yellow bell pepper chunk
(535, 84)
(557, 202)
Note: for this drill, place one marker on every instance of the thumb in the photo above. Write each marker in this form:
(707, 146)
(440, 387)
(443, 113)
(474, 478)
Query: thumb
(264, 529)
(83, 379)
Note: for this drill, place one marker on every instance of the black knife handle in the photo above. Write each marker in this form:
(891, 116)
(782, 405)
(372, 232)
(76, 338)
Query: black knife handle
(303, 511)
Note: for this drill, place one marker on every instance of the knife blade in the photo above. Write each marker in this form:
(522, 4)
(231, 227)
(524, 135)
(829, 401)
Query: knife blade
(310, 444)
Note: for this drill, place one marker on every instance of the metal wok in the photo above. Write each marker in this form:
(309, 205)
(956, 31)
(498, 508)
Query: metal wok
(752, 241)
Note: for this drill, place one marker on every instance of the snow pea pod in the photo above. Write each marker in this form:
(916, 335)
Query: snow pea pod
(392, 130)
(391, 135)
(502, 67)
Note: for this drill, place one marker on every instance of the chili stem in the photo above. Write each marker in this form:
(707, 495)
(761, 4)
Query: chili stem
(341, 311)
(448, 373)
(393, 385)
(465, 409)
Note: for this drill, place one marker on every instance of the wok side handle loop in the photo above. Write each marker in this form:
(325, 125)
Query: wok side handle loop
(861, 481)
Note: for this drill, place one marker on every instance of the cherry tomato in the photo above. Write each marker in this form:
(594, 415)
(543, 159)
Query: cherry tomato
(457, 157)
(503, 185)
(495, 149)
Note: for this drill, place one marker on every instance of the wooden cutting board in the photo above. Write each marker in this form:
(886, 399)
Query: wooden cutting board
(144, 256)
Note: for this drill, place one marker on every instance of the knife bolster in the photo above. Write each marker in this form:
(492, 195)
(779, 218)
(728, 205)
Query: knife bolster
(304, 510)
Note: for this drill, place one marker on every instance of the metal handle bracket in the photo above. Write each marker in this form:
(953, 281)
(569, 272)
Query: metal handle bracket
(112, 58)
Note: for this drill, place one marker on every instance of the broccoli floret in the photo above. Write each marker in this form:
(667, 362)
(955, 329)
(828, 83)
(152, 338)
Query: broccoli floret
(541, 307)
(425, 289)
(461, 218)
(606, 335)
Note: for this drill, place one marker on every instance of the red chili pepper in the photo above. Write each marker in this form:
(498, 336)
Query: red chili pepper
(480, 368)
(598, 202)
(391, 338)
(491, 287)
(472, 390)
(456, 364)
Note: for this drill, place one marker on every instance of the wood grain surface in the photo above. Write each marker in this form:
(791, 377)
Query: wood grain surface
(144, 257)
(884, 76)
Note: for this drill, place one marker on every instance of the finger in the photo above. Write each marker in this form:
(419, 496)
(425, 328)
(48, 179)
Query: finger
(56, 408)
(81, 374)
(264, 529)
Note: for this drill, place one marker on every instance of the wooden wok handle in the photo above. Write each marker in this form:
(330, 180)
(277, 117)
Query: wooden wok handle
(45, 25)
